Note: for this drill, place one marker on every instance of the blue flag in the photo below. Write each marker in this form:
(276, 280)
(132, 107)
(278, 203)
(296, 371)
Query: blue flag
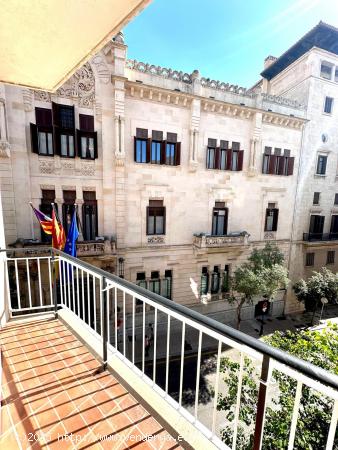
(73, 234)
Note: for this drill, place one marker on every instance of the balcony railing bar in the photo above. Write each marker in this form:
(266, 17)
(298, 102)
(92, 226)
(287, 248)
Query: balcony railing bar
(100, 289)
(210, 325)
(295, 415)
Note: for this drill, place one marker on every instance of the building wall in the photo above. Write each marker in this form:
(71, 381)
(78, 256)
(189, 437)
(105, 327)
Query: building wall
(125, 95)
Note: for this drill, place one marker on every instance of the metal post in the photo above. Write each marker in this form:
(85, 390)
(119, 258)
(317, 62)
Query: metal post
(261, 404)
(54, 285)
(104, 325)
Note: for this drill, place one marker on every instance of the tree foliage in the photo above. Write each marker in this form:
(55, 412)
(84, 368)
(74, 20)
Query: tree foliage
(263, 274)
(319, 348)
(320, 284)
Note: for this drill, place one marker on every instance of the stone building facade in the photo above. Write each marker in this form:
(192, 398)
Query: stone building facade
(176, 177)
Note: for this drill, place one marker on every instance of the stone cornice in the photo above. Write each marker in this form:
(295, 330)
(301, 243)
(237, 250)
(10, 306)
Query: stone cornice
(147, 92)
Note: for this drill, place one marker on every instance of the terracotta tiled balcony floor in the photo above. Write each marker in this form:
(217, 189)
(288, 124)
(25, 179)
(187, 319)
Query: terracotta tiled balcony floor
(53, 398)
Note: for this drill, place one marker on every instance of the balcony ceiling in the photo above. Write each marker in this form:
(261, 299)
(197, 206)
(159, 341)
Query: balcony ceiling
(42, 43)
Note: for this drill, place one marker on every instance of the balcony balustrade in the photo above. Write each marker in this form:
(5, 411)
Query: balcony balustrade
(203, 240)
(105, 306)
(320, 237)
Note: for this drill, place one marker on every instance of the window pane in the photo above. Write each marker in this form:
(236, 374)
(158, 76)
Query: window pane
(63, 145)
(234, 160)
(269, 221)
(336, 75)
(71, 145)
(91, 147)
(155, 153)
(159, 225)
(83, 146)
(170, 154)
(151, 220)
(50, 143)
(266, 163)
(211, 158)
(328, 105)
(42, 143)
(204, 284)
(223, 160)
(326, 71)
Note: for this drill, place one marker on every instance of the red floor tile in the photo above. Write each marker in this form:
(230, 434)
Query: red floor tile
(51, 389)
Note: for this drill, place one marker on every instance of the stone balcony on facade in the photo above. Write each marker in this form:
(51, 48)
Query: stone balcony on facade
(206, 241)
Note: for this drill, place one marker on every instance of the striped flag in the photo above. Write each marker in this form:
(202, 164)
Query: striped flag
(45, 221)
(58, 232)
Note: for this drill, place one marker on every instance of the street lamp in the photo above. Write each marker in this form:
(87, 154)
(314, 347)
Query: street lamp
(121, 267)
(323, 301)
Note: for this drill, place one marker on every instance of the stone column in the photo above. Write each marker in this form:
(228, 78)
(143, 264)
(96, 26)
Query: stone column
(3, 129)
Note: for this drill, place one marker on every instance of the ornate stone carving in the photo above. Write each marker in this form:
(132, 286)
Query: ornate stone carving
(157, 70)
(4, 149)
(42, 96)
(281, 101)
(207, 241)
(27, 95)
(220, 85)
(119, 159)
(87, 169)
(156, 240)
(68, 165)
(81, 85)
(47, 167)
(101, 68)
(270, 235)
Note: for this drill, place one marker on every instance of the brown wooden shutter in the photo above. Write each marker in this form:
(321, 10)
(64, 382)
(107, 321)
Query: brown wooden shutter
(78, 143)
(266, 218)
(95, 145)
(272, 164)
(147, 228)
(55, 115)
(229, 159)
(281, 165)
(240, 160)
(163, 151)
(178, 154)
(217, 158)
(34, 138)
(43, 117)
(56, 141)
(291, 162)
(135, 141)
(164, 224)
(86, 122)
(148, 150)
(275, 219)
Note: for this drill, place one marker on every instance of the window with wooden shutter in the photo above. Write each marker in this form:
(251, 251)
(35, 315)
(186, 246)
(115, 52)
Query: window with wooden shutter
(68, 207)
(155, 218)
(334, 227)
(280, 163)
(211, 157)
(321, 164)
(271, 219)
(217, 158)
(219, 220)
(310, 259)
(290, 165)
(155, 155)
(42, 132)
(330, 257)
(316, 226)
(64, 130)
(229, 159)
(170, 154)
(89, 216)
(316, 196)
(240, 160)
(272, 164)
(140, 150)
(86, 138)
(47, 198)
(178, 154)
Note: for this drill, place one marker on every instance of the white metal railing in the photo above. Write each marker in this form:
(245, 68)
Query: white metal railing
(179, 340)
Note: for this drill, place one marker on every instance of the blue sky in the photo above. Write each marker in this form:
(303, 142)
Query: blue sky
(225, 40)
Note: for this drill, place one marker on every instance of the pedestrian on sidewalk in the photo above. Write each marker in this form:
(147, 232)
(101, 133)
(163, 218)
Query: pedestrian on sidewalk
(146, 345)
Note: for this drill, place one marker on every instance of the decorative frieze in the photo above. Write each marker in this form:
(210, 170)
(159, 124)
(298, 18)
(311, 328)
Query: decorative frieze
(28, 95)
(81, 86)
(208, 241)
(156, 240)
(159, 71)
(269, 235)
(282, 101)
(87, 169)
(222, 86)
(46, 166)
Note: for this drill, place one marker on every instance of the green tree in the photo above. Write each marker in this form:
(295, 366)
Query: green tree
(319, 348)
(320, 284)
(264, 274)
